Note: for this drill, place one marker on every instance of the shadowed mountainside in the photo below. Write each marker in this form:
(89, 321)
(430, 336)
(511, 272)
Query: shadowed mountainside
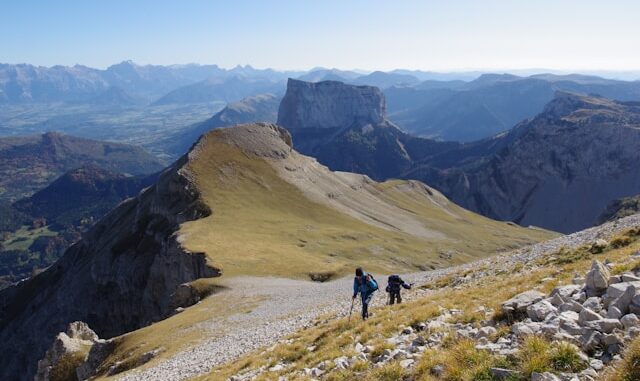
(29, 163)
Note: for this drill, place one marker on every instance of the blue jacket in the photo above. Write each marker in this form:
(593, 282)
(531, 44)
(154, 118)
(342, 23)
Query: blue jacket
(366, 287)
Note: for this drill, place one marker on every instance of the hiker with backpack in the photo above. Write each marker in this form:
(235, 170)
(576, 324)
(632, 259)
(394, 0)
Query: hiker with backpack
(394, 282)
(365, 285)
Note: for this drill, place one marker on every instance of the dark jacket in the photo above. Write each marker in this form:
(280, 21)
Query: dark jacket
(395, 282)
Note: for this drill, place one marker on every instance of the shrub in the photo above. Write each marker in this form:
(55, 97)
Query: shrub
(534, 355)
(630, 369)
(65, 369)
(565, 358)
(390, 372)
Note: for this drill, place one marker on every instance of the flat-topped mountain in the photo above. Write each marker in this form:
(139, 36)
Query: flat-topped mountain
(242, 201)
(29, 163)
(330, 104)
(345, 127)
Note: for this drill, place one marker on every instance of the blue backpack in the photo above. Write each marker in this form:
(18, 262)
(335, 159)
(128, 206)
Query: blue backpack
(373, 283)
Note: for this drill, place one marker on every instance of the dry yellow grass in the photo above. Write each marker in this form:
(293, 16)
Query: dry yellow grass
(462, 362)
(176, 333)
(263, 225)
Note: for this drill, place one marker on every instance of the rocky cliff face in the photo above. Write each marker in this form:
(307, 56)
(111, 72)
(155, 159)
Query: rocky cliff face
(330, 104)
(345, 127)
(122, 275)
(559, 170)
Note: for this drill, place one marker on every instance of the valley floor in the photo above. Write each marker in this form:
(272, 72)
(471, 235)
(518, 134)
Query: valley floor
(254, 313)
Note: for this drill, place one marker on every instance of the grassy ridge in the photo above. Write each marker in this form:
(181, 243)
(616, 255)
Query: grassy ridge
(263, 225)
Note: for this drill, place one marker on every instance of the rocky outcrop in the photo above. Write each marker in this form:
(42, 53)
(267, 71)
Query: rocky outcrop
(330, 104)
(68, 351)
(620, 208)
(119, 277)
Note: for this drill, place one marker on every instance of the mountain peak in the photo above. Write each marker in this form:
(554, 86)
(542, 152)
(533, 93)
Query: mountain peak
(330, 104)
(566, 103)
(264, 140)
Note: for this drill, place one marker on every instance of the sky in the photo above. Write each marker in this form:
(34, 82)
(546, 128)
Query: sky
(451, 35)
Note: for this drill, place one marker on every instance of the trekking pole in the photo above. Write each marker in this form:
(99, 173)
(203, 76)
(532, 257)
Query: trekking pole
(351, 310)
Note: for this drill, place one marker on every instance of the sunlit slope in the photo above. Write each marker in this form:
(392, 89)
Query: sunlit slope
(276, 212)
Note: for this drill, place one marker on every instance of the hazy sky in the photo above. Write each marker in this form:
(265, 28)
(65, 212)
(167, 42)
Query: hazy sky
(429, 35)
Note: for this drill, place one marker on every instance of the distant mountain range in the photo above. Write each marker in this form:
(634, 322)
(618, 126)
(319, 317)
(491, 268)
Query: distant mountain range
(444, 106)
(29, 163)
(558, 170)
(27, 83)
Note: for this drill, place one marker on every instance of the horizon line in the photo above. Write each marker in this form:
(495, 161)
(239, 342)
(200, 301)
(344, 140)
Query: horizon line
(456, 70)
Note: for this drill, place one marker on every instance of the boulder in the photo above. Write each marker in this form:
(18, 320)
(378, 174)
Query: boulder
(597, 279)
(539, 311)
(629, 320)
(614, 312)
(570, 305)
(590, 340)
(569, 316)
(598, 246)
(616, 290)
(525, 329)
(565, 291)
(505, 374)
(629, 277)
(623, 301)
(556, 300)
(611, 339)
(571, 327)
(579, 297)
(604, 325)
(588, 315)
(519, 303)
(486, 332)
(546, 376)
(593, 303)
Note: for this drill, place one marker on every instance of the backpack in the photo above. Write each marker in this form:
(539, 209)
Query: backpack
(394, 279)
(375, 283)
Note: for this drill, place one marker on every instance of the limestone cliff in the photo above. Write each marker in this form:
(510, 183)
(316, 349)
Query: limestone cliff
(345, 127)
(330, 104)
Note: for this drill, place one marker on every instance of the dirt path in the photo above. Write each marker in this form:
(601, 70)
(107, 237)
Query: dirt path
(287, 305)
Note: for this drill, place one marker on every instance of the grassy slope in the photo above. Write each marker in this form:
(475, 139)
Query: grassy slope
(172, 335)
(263, 225)
(336, 337)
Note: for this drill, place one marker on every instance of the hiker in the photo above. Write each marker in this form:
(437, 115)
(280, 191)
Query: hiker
(365, 285)
(393, 288)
